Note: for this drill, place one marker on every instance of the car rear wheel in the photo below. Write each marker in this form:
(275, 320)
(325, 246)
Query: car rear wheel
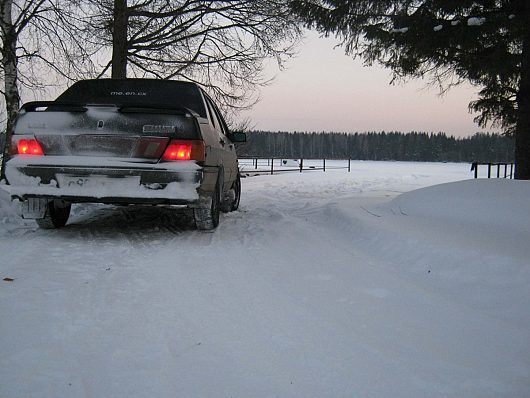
(232, 197)
(237, 190)
(57, 213)
(208, 218)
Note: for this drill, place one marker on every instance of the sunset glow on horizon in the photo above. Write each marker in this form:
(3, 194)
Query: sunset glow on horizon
(325, 90)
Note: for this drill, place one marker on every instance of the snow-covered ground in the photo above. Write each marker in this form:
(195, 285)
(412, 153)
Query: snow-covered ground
(322, 285)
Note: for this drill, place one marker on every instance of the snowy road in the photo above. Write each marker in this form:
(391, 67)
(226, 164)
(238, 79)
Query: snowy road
(322, 285)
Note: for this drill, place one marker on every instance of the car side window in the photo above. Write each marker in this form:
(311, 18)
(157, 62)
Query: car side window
(222, 122)
(213, 115)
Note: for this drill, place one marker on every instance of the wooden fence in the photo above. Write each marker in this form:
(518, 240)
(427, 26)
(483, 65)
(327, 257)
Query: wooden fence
(497, 166)
(277, 165)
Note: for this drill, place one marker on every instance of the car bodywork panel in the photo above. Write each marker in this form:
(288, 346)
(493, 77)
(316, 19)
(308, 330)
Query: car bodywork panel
(111, 152)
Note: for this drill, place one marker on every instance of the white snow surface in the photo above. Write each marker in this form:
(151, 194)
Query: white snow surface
(394, 280)
(476, 21)
(399, 30)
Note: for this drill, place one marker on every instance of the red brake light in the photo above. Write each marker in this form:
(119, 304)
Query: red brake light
(184, 150)
(29, 147)
(176, 151)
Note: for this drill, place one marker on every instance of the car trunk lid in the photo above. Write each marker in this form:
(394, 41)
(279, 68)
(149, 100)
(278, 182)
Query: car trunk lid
(139, 133)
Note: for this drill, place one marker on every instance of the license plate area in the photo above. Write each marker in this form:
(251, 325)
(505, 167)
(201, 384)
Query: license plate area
(96, 182)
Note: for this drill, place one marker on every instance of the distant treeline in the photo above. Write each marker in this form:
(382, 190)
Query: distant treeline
(414, 146)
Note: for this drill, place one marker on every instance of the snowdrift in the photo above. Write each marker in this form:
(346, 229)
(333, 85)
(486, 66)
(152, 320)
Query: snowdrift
(503, 205)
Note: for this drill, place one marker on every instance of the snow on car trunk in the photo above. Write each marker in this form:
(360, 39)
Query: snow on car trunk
(323, 284)
(104, 131)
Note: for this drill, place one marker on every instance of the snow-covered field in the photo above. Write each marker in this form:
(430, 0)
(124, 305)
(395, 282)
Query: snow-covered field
(322, 285)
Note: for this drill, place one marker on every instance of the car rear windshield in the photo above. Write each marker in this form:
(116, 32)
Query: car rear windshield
(136, 92)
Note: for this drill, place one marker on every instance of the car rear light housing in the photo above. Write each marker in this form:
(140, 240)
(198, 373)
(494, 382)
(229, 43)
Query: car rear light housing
(29, 147)
(178, 150)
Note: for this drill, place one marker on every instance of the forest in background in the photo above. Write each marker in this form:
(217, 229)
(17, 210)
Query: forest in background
(413, 146)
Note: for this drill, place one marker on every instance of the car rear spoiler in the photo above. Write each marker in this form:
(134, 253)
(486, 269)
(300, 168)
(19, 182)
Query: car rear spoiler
(39, 106)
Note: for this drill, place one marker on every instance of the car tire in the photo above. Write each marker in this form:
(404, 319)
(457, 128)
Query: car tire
(57, 214)
(207, 218)
(237, 189)
(232, 197)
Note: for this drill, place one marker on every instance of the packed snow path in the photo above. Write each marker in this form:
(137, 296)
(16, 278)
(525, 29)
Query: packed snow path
(322, 285)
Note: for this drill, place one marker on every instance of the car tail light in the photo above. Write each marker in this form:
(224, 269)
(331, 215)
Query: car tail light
(29, 147)
(184, 150)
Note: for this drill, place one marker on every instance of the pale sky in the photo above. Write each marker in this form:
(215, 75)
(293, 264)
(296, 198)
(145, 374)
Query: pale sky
(325, 90)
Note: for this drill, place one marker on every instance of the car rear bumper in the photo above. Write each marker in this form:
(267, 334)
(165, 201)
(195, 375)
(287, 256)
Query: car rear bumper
(103, 180)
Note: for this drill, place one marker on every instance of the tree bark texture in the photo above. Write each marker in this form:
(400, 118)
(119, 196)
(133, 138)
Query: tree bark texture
(119, 40)
(522, 132)
(9, 64)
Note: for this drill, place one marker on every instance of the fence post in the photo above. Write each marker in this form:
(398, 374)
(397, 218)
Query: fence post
(301, 164)
(505, 170)
(489, 170)
(511, 171)
(256, 166)
(324, 168)
(498, 170)
(272, 166)
(349, 163)
(474, 167)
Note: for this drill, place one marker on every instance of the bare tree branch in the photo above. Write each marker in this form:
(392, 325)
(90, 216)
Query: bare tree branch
(219, 44)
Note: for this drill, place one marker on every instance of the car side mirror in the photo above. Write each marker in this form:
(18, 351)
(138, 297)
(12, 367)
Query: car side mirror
(237, 136)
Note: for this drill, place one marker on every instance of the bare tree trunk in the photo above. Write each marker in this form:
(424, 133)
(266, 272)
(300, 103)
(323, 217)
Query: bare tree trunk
(522, 132)
(9, 64)
(119, 40)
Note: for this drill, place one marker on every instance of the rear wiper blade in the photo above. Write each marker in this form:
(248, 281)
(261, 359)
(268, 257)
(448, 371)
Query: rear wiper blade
(52, 106)
(157, 110)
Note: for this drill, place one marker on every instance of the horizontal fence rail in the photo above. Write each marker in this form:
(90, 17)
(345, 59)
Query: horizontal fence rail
(279, 165)
(499, 174)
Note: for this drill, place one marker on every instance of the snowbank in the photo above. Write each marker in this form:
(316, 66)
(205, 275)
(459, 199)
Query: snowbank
(8, 210)
(498, 204)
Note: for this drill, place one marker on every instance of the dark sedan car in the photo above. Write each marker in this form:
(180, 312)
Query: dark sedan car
(133, 141)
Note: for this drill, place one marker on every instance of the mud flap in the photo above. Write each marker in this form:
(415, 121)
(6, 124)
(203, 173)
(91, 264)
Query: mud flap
(33, 208)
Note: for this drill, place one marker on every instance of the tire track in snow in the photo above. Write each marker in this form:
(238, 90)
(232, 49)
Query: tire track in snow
(141, 228)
